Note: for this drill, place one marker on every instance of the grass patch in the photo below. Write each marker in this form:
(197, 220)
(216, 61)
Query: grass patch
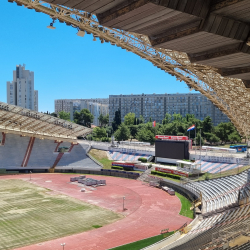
(31, 214)
(142, 243)
(101, 156)
(96, 226)
(185, 206)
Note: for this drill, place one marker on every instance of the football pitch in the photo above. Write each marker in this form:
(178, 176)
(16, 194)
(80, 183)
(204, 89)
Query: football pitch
(31, 214)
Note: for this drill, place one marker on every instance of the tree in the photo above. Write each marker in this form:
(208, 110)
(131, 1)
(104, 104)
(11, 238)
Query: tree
(129, 119)
(207, 125)
(212, 138)
(177, 118)
(234, 137)
(64, 115)
(84, 117)
(135, 121)
(145, 135)
(223, 130)
(122, 133)
(167, 119)
(133, 130)
(109, 130)
(141, 119)
(100, 119)
(99, 132)
(117, 120)
(53, 114)
(198, 137)
(103, 119)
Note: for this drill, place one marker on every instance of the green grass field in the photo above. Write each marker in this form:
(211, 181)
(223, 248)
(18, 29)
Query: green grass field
(31, 214)
(142, 243)
(101, 156)
(185, 206)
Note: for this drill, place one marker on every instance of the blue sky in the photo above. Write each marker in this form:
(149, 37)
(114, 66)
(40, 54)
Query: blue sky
(68, 66)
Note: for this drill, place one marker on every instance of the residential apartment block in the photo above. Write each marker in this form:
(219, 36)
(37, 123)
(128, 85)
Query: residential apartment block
(20, 91)
(96, 106)
(64, 104)
(155, 106)
(96, 110)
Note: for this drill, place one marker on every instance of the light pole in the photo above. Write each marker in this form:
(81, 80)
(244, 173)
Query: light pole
(30, 175)
(63, 244)
(123, 202)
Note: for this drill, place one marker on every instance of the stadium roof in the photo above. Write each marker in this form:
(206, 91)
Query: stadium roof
(18, 120)
(172, 36)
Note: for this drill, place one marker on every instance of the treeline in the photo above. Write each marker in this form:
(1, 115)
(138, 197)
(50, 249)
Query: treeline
(136, 128)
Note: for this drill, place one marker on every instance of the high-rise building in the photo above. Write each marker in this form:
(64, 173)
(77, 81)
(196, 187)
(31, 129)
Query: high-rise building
(64, 104)
(96, 110)
(155, 106)
(20, 91)
(96, 106)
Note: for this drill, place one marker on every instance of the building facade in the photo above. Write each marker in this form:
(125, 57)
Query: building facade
(20, 91)
(155, 106)
(96, 106)
(96, 110)
(64, 104)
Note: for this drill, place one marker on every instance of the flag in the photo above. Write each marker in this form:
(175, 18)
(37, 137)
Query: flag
(191, 128)
(154, 123)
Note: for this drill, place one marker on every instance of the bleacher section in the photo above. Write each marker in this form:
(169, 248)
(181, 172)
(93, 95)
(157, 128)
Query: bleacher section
(42, 154)
(203, 233)
(213, 167)
(218, 194)
(120, 156)
(225, 215)
(12, 153)
(77, 158)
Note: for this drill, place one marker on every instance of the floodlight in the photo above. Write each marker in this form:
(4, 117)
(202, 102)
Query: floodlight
(51, 26)
(81, 33)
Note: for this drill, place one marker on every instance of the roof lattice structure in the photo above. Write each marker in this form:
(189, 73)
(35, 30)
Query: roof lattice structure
(230, 95)
(17, 120)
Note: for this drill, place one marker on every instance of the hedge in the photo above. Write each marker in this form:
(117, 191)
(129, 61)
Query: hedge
(142, 159)
(117, 167)
(122, 168)
(173, 176)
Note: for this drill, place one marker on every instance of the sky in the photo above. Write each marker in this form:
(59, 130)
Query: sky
(67, 66)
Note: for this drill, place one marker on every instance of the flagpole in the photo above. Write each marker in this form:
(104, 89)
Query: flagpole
(195, 142)
(200, 149)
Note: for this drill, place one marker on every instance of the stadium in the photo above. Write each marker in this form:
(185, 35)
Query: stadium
(55, 195)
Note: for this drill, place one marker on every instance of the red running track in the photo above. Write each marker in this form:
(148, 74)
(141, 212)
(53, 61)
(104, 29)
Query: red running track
(149, 210)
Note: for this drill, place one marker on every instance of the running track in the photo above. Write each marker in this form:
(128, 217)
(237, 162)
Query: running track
(149, 210)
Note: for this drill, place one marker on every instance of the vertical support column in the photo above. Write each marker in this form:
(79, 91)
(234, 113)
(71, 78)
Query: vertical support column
(3, 138)
(248, 149)
(58, 144)
(72, 145)
(58, 158)
(28, 152)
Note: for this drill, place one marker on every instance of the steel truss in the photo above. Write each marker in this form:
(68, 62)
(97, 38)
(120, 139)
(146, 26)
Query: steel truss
(25, 122)
(228, 94)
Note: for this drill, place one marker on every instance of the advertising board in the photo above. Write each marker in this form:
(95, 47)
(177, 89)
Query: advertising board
(174, 138)
(123, 164)
(171, 171)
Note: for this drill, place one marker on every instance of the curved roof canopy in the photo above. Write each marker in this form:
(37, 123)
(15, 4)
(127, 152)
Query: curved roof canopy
(18, 120)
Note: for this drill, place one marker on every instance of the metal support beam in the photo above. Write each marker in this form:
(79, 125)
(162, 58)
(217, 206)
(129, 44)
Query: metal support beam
(228, 94)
